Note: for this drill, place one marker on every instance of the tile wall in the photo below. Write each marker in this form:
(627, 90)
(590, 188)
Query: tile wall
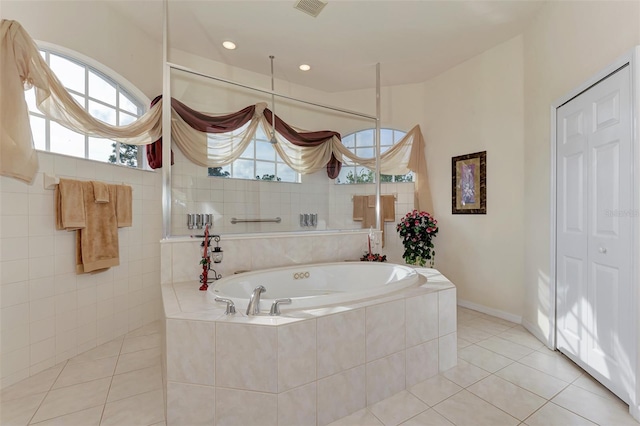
(194, 192)
(48, 313)
(311, 371)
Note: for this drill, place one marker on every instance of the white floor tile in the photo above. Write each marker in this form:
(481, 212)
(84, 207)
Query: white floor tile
(428, 418)
(464, 408)
(135, 382)
(505, 347)
(522, 337)
(551, 414)
(71, 399)
(398, 408)
(138, 343)
(19, 411)
(510, 398)
(587, 382)
(532, 380)
(362, 417)
(553, 364)
(138, 360)
(107, 350)
(598, 409)
(435, 390)
(38, 383)
(484, 358)
(83, 372)
(471, 334)
(88, 417)
(151, 328)
(465, 374)
(139, 410)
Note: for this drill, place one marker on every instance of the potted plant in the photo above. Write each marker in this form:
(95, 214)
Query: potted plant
(417, 230)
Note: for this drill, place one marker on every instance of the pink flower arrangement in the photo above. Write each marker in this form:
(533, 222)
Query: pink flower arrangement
(417, 229)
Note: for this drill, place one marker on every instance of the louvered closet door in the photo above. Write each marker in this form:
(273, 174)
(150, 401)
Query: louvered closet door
(594, 218)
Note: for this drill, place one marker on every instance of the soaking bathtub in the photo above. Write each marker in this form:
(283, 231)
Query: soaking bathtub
(362, 332)
(317, 285)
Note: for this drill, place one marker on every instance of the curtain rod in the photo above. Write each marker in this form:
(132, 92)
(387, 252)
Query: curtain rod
(269, 92)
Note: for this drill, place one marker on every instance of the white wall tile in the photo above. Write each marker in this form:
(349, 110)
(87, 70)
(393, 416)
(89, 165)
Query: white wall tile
(447, 311)
(298, 406)
(296, 354)
(191, 355)
(385, 329)
(422, 362)
(341, 342)
(14, 270)
(385, 377)
(448, 351)
(242, 351)
(340, 395)
(189, 404)
(14, 294)
(422, 318)
(236, 407)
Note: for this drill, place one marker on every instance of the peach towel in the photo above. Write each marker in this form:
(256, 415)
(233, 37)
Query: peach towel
(100, 192)
(358, 207)
(69, 203)
(97, 245)
(124, 205)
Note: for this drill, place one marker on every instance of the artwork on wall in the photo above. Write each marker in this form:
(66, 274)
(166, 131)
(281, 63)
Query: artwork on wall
(469, 183)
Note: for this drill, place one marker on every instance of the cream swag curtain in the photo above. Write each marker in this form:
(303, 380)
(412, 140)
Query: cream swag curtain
(22, 67)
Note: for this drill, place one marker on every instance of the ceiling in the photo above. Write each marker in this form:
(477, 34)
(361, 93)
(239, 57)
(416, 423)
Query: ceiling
(412, 40)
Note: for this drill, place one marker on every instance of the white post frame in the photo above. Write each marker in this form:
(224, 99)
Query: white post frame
(166, 127)
(631, 58)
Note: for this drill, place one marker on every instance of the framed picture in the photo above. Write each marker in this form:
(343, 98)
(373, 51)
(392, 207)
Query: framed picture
(469, 183)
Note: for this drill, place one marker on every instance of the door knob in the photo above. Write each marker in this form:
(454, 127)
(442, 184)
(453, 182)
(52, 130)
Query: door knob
(602, 250)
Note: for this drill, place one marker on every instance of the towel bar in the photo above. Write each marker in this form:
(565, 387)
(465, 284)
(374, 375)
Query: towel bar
(395, 196)
(235, 220)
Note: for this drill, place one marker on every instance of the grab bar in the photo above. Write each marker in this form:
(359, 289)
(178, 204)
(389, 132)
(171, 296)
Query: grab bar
(235, 220)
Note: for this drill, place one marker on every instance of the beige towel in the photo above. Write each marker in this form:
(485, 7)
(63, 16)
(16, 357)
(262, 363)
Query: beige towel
(388, 204)
(124, 205)
(69, 199)
(358, 207)
(371, 201)
(100, 192)
(97, 244)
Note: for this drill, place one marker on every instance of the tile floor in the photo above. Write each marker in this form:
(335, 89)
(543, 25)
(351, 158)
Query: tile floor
(118, 383)
(504, 377)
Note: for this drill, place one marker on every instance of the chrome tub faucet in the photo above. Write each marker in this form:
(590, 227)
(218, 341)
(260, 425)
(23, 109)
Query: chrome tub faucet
(254, 302)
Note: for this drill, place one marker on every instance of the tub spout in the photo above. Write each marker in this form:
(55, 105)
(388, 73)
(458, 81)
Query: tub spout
(254, 302)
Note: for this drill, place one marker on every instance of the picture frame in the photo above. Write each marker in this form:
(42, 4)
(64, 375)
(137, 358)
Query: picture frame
(469, 183)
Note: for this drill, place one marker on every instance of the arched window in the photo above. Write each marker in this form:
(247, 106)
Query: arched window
(103, 95)
(362, 144)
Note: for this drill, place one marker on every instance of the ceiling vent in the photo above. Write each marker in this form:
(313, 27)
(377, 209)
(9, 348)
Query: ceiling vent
(310, 7)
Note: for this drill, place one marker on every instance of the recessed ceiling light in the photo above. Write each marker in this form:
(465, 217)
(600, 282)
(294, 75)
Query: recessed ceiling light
(305, 67)
(229, 45)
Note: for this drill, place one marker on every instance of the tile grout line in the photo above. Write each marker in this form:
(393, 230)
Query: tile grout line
(47, 394)
(115, 367)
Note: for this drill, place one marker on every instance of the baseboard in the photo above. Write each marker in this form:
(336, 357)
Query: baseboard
(634, 410)
(536, 333)
(490, 311)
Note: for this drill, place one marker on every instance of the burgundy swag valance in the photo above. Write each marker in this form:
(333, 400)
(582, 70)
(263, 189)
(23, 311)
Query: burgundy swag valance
(234, 121)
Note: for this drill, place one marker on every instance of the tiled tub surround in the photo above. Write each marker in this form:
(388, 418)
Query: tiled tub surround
(308, 366)
(180, 256)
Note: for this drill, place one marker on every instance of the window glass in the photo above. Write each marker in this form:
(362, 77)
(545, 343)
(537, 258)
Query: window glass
(363, 144)
(259, 161)
(103, 97)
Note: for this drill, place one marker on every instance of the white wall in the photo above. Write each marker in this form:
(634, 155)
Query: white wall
(48, 313)
(478, 106)
(564, 45)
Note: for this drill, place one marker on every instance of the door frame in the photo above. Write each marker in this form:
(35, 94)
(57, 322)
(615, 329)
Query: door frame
(632, 58)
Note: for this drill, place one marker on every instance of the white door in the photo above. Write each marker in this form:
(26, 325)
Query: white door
(594, 214)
